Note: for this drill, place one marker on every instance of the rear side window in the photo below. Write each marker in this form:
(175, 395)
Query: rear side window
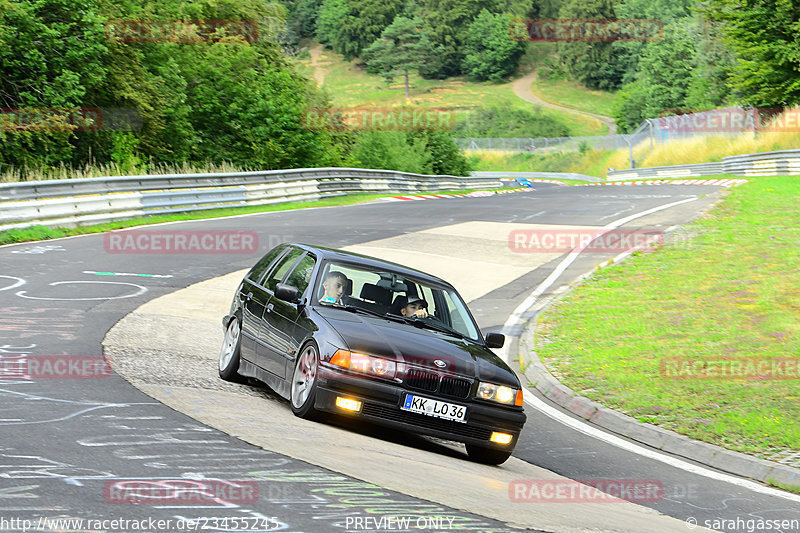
(283, 267)
(301, 275)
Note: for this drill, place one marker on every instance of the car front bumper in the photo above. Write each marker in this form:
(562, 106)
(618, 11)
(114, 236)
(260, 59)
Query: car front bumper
(381, 405)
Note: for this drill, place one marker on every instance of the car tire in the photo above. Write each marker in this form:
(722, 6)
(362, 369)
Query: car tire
(229, 353)
(303, 387)
(487, 456)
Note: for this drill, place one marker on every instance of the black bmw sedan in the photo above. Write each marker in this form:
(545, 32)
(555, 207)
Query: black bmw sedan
(338, 332)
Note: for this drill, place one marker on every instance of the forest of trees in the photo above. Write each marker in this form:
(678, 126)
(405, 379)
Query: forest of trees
(229, 97)
(711, 53)
(237, 98)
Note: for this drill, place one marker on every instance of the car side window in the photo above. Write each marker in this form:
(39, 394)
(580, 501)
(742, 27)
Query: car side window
(301, 275)
(283, 267)
(257, 272)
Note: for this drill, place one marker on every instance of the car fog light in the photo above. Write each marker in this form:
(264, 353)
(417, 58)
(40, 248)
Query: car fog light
(501, 438)
(348, 404)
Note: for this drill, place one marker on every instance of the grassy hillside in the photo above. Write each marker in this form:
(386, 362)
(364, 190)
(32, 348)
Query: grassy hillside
(571, 94)
(348, 84)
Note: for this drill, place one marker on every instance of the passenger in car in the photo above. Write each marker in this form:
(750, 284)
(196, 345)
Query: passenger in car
(334, 285)
(415, 307)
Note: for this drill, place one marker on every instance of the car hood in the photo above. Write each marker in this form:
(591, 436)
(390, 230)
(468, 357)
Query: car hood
(417, 346)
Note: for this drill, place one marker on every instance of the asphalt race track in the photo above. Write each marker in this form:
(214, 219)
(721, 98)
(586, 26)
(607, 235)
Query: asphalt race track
(70, 447)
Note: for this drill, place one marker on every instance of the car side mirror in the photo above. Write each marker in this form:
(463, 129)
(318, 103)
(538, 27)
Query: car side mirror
(495, 340)
(287, 293)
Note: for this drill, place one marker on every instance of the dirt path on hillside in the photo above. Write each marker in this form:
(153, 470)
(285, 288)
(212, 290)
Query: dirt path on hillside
(522, 88)
(319, 73)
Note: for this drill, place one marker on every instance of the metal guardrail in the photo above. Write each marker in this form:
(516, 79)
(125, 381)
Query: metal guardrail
(673, 171)
(782, 162)
(97, 200)
(536, 175)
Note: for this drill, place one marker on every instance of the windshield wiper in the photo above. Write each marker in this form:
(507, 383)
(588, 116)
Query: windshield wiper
(422, 323)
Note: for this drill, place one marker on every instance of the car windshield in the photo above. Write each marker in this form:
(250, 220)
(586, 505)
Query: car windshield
(394, 295)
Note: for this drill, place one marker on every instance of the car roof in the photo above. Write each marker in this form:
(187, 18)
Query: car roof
(369, 261)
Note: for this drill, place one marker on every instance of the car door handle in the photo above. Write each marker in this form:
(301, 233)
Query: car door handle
(270, 307)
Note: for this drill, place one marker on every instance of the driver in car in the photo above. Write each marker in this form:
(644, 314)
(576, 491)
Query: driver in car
(334, 287)
(415, 307)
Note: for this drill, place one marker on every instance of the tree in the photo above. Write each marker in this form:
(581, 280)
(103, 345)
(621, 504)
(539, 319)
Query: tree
(446, 22)
(349, 26)
(597, 65)
(445, 157)
(490, 52)
(331, 15)
(629, 52)
(392, 150)
(685, 71)
(713, 65)
(402, 47)
(629, 104)
(52, 56)
(303, 16)
(763, 34)
(666, 68)
(225, 99)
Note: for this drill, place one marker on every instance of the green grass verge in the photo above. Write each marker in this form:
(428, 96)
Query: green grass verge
(731, 291)
(41, 233)
(784, 486)
(571, 94)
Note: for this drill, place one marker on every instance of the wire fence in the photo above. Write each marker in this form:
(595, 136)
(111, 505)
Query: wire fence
(728, 121)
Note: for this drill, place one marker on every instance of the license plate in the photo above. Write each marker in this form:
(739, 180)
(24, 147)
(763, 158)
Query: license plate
(437, 408)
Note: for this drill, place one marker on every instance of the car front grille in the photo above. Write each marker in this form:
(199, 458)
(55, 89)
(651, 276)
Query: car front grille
(419, 379)
(428, 422)
(451, 386)
(455, 387)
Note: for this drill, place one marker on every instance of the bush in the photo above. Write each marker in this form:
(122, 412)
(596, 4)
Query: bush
(391, 150)
(445, 157)
(420, 152)
(505, 122)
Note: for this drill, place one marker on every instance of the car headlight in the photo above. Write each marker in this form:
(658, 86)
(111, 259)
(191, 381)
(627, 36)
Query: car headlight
(499, 394)
(365, 364)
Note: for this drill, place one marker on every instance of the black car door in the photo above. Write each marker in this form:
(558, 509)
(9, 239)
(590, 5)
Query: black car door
(271, 330)
(253, 298)
(280, 317)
